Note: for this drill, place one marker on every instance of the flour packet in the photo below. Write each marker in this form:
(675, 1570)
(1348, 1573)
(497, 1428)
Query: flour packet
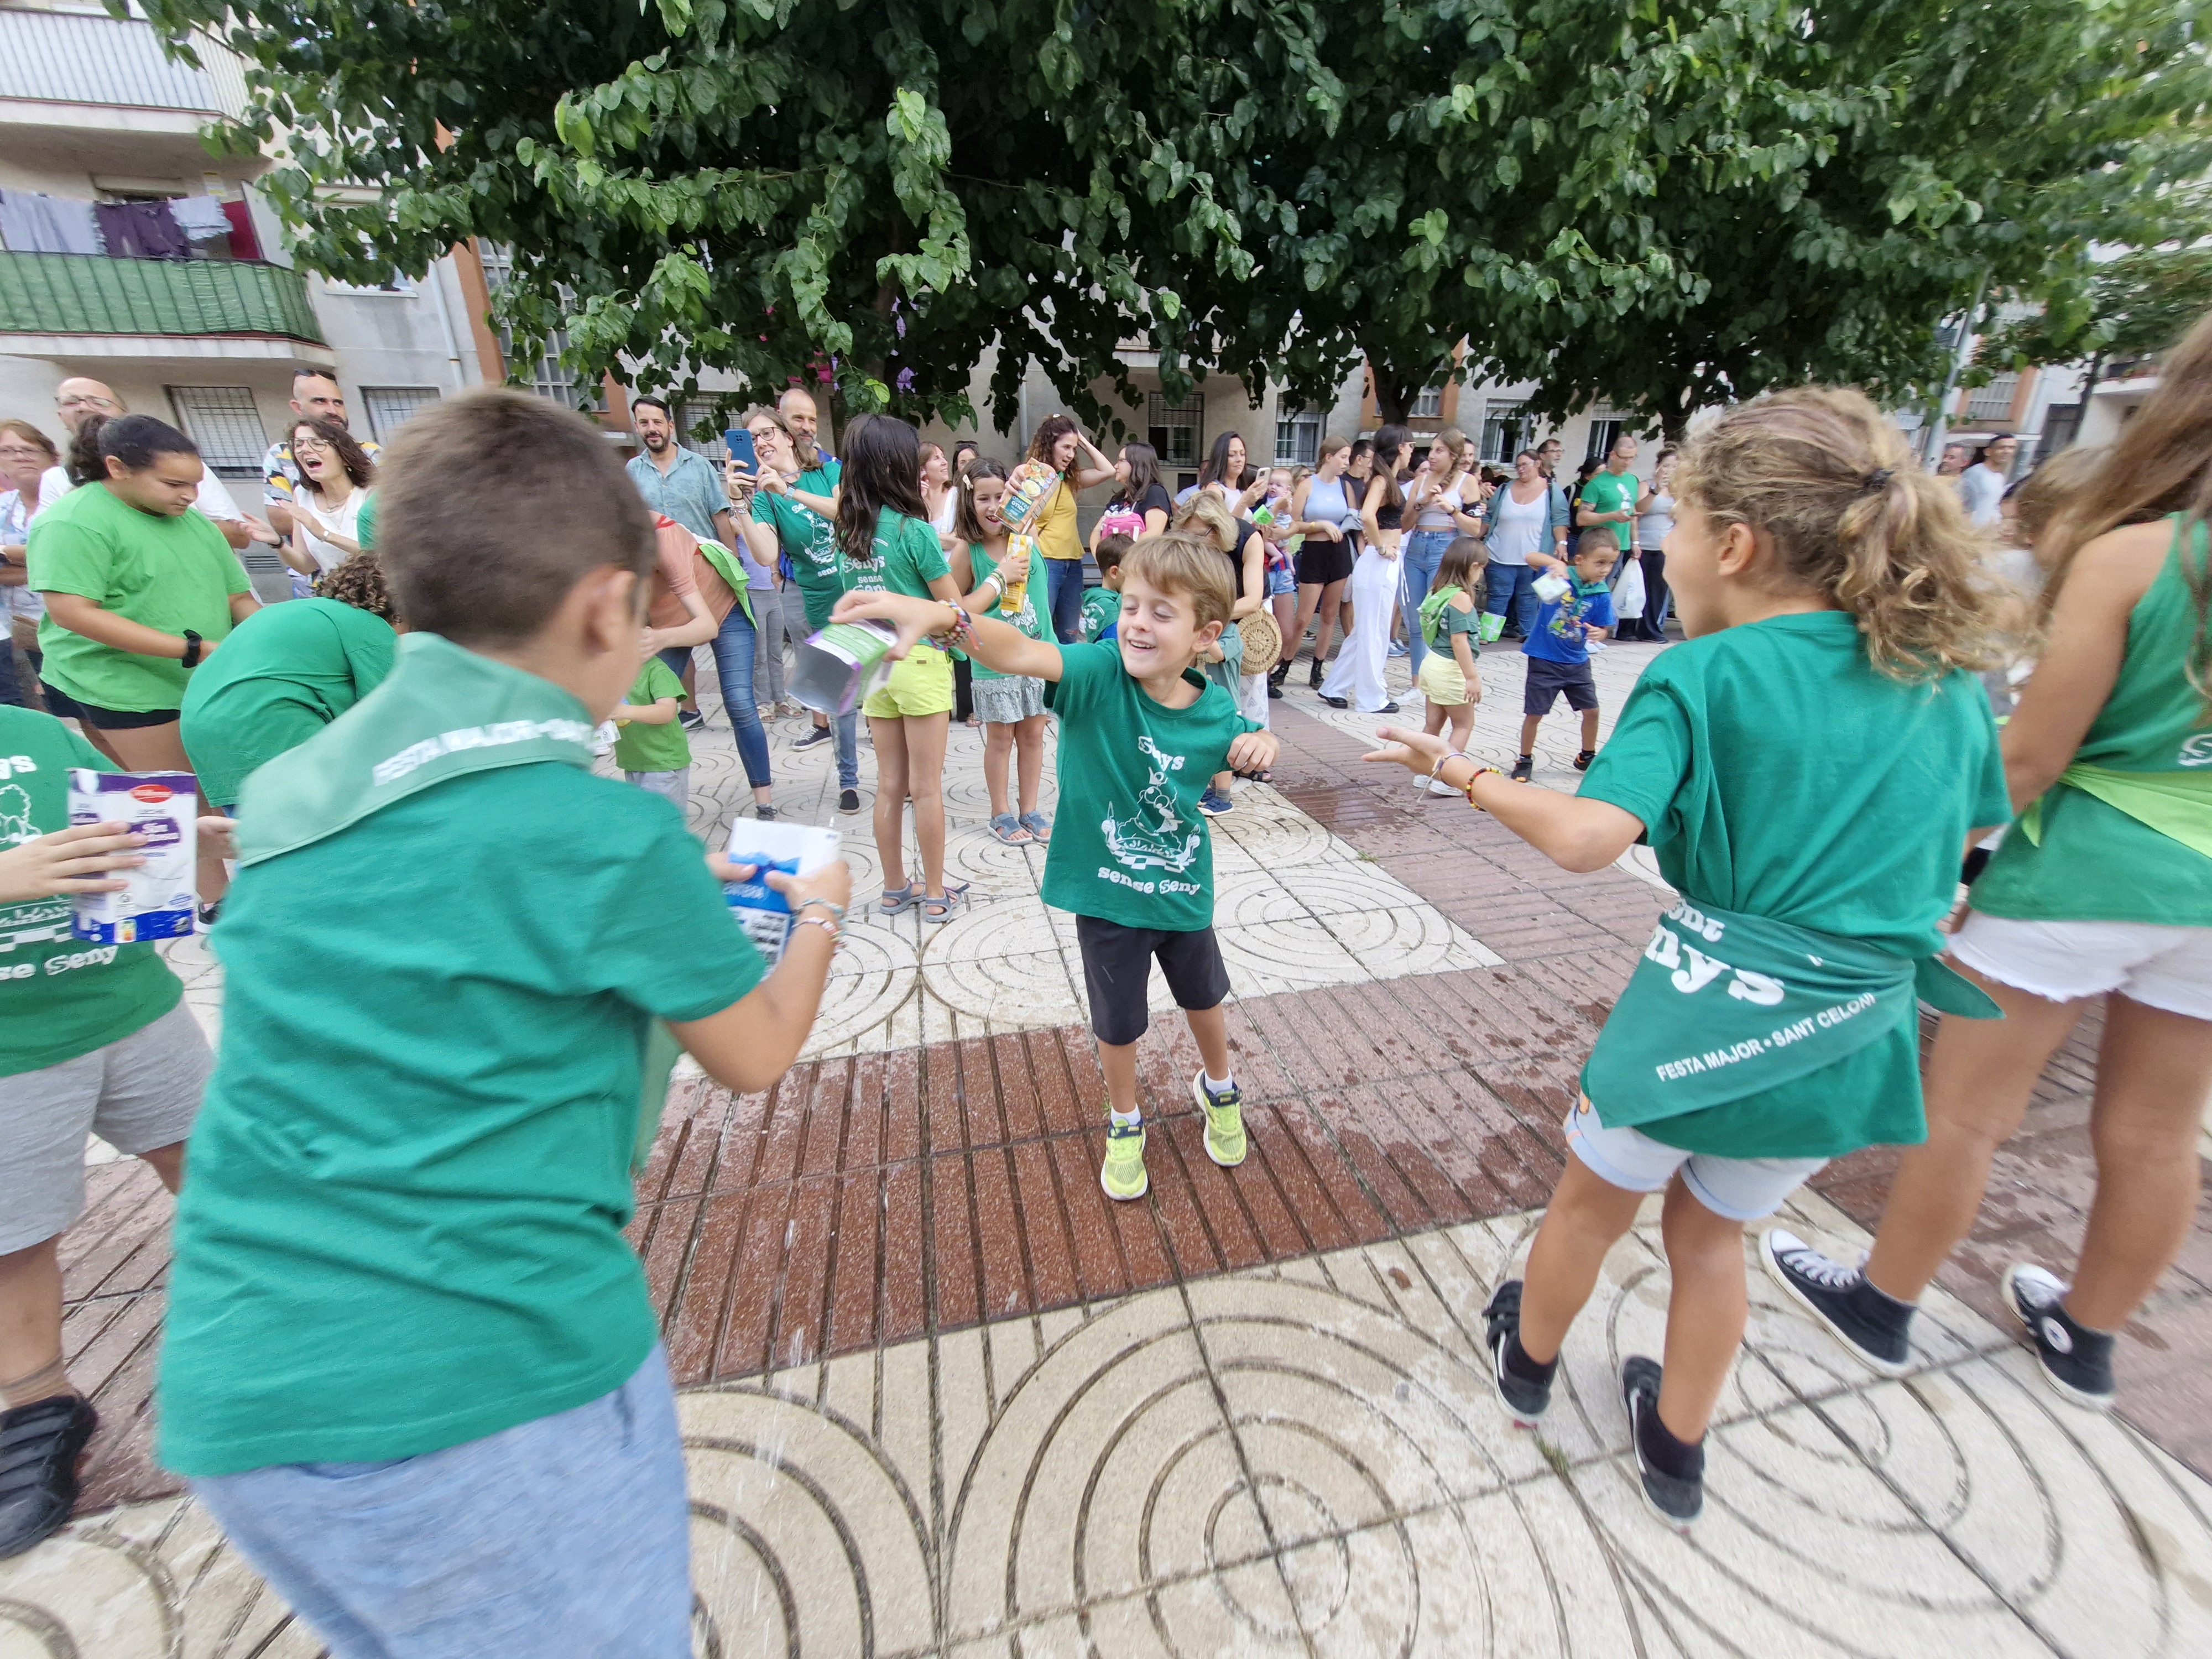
(796, 849)
(159, 900)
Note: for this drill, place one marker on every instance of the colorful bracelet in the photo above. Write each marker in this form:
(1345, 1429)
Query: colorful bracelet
(836, 933)
(835, 909)
(1467, 788)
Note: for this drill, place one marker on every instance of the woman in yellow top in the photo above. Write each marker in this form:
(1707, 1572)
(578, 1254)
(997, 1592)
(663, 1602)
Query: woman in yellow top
(1055, 444)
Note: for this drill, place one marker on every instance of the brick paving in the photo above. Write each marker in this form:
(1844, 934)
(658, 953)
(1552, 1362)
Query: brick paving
(874, 1198)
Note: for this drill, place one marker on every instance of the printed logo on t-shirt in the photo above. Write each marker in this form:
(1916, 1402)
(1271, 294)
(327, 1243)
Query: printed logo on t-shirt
(1155, 838)
(2196, 751)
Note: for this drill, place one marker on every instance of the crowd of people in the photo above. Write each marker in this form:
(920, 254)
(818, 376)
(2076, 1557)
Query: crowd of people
(409, 1363)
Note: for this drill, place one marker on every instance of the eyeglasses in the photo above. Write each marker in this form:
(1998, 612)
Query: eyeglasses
(83, 400)
(320, 446)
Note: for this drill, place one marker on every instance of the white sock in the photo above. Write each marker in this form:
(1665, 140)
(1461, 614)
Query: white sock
(1124, 1119)
(1218, 1086)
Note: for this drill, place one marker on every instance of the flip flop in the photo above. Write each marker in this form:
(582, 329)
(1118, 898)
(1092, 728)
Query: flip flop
(897, 899)
(1038, 825)
(1007, 828)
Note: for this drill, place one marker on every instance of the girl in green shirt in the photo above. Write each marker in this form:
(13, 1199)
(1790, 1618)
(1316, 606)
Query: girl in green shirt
(1011, 705)
(2102, 891)
(1808, 768)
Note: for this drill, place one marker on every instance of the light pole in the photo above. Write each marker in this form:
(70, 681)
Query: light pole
(1931, 435)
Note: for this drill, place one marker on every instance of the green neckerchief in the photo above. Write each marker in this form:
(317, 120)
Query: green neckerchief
(730, 569)
(2178, 805)
(1432, 614)
(1724, 1004)
(443, 712)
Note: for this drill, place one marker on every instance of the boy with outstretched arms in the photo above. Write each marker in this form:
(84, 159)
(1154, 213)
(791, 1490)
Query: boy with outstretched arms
(1141, 730)
(410, 1363)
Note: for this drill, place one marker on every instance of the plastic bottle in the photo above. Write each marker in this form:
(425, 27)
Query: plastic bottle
(1016, 588)
(1030, 482)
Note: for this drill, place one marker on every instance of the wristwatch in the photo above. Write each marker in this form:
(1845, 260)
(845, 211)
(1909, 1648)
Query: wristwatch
(192, 643)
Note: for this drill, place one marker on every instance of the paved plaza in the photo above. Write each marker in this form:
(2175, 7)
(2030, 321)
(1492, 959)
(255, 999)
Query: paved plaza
(942, 1398)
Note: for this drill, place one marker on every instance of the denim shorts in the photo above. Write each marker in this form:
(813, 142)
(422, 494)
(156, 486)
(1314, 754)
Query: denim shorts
(1285, 580)
(567, 1537)
(1734, 1188)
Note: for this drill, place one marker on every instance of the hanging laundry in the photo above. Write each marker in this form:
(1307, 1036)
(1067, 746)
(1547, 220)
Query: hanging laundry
(34, 223)
(201, 217)
(141, 230)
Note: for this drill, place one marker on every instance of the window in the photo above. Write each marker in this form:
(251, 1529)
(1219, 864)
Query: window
(1506, 429)
(1298, 438)
(1992, 402)
(391, 407)
(548, 377)
(225, 424)
(1428, 405)
(1177, 430)
(695, 414)
(1605, 430)
(395, 283)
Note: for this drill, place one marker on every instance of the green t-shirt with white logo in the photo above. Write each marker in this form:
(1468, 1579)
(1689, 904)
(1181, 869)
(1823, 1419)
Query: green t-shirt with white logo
(1102, 610)
(1610, 492)
(60, 997)
(1129, 844)
(808, 539)
(984, 567)
(907, 558)
(640, 747)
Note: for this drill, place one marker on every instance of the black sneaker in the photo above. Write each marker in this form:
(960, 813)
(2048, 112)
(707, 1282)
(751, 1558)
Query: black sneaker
(2077, 1361)
(39, 1444)
(819, 734)
(765, 814)
(1524, 768)
(848, 801)
(1525, 1400)
(1387, 708)
(690, 719)
(1336, 702)
(1677, 1499)
(1582, 761)
(1830, 1292)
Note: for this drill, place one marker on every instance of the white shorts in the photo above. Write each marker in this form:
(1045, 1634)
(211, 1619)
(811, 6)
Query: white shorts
(2151, 963)
(1738, 1188)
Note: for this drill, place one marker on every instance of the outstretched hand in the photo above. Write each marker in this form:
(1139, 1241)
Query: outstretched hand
(1254, 751)
(1417, 751)
(916, 619)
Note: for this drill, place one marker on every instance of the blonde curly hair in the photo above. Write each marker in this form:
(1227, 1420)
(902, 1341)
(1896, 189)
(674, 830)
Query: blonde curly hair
(1821, 472)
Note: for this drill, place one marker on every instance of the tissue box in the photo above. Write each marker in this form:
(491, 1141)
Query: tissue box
(796, 849)
(160, 900)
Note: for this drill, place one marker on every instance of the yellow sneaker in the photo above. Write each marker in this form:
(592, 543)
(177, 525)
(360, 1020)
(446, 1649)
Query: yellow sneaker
(1224, 1121)
(1123, 1175)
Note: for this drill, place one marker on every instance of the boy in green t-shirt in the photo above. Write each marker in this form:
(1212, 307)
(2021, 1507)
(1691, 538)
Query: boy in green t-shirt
(410, 1361)
(1140, 733)
(94, 1039)
(651, 747)
(1102, 605)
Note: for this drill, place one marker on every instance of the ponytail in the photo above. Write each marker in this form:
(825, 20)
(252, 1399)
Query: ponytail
(1823, 474)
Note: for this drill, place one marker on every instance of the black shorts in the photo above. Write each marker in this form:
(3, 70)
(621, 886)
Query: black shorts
(1546, 679)
(1322, 562)
(62, 706)
(1117, 963)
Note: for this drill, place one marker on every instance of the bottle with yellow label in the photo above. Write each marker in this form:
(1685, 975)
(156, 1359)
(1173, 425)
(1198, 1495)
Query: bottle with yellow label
(1014, 589)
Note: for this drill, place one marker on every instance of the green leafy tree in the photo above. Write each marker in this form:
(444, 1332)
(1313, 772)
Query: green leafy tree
(756, 185)
(2123, 310)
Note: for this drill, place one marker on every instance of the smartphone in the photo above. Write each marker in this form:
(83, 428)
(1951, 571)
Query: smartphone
(741, 448)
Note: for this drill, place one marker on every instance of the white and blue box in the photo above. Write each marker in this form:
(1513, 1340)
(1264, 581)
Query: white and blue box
(796, 849)
(159, 900)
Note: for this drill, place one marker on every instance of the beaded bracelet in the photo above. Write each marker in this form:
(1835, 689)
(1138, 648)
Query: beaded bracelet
(836, 933)
(835, 909)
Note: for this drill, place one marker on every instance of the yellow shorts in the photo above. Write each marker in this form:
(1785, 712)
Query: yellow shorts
(1441, 681)
(921, 684)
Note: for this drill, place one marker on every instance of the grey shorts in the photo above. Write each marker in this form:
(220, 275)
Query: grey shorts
(677, 785)
(138, 1093)
(1001, 700)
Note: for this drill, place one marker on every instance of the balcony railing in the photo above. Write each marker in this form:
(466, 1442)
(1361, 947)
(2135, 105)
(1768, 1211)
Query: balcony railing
(77, 58)
(84, 294)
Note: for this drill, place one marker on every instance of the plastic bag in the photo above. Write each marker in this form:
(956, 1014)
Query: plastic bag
(1628, 592)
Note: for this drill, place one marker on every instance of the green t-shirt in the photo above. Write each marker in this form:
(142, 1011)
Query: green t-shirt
(2091, 861)
(364, 523)
(1129, 844)
(643, 748)
(61, 997)
(907, 558)
(1776, 773)
(983, 565)
(1449, 619)
(1102, 610)
(287, 672)
(1609, 492)
(168, 573)
(403, 1228)
(808, 539)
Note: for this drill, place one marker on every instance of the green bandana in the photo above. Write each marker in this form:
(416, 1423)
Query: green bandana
(731, 570)
(442, 713)
(1433, 615)
(1724, 1006)
(2178, 805)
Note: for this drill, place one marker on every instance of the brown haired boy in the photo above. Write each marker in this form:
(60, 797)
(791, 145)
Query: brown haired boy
(1102, 605)
(1140, 733)
(411, 1363)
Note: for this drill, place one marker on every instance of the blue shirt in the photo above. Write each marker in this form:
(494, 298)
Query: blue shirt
(690, 492)
(1558, 635)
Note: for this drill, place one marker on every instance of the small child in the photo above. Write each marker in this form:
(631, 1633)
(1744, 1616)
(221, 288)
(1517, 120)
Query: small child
(1140, 731)
(1807, 767)
(1451, 620)
(1011, 705)
(651, 747)
(1102, 605)
(1558, 646)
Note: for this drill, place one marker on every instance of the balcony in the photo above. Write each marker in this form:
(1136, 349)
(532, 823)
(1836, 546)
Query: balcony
(67, 72)
(59, 299)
